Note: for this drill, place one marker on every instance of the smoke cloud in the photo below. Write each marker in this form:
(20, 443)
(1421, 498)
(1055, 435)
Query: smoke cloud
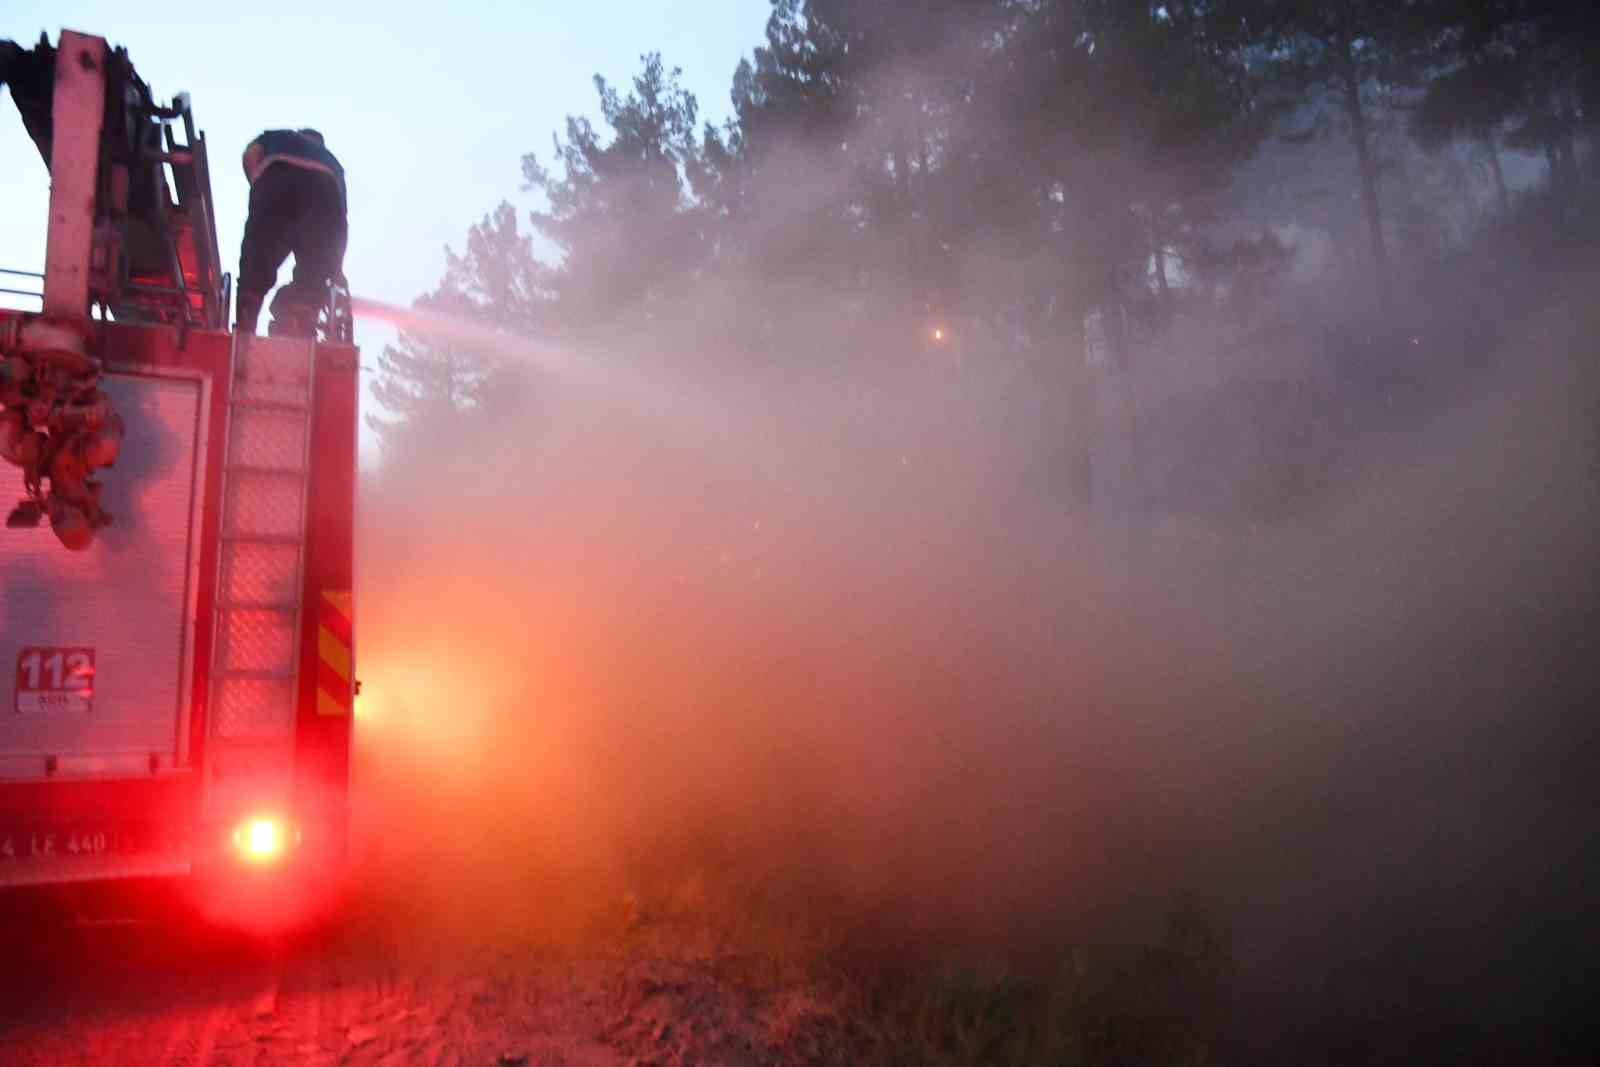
(833, 633)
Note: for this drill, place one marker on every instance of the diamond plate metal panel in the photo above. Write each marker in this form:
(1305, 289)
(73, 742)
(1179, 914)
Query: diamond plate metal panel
(257, 640)
(289, 394)
(275, 361)
(126, 596)
(260, 572)
(266, 505)
(275, 440)
(251, 709)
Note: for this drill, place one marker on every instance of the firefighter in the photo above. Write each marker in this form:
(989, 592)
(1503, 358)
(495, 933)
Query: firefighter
(297, 205)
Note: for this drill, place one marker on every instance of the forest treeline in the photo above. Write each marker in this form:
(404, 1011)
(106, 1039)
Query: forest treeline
(1066, 195)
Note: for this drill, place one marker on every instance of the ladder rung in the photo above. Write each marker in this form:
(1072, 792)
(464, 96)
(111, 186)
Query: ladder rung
(283, 745)
(271, 405)
(262, 539)
(298, 473)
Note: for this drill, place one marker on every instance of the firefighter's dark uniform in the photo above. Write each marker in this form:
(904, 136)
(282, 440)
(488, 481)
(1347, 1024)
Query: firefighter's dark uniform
(297, 204)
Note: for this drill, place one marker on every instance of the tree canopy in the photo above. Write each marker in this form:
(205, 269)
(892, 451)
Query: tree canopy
(1057, 176)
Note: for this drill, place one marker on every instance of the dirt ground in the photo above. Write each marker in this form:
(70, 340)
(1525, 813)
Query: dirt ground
(358, 993)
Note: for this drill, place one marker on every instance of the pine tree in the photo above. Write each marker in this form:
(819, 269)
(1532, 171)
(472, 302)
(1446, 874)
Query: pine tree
(620, 212)
(1352, 52)
(499, 275)
(429, 384)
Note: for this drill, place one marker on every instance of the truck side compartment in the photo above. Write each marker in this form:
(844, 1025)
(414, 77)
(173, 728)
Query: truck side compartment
(119, 766)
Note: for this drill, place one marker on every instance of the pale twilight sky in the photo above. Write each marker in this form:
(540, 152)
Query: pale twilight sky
(429, 107)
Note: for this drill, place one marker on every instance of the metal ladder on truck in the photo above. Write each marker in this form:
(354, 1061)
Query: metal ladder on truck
(261, 579)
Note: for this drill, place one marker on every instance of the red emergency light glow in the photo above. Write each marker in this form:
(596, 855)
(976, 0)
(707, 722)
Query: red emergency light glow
(261, 840)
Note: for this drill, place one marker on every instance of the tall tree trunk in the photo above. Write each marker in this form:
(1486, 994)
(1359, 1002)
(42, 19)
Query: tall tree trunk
(1499, 174)
(902, 181)
(1362, 136)
(1121, 344)
(1130, 385)
(1076, 424)
(1561, 153)
(1574, 165)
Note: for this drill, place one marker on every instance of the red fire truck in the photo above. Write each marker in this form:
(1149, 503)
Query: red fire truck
(175, 576)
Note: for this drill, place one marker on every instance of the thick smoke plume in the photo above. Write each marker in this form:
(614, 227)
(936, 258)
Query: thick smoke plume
(746, 636)
(698, 624)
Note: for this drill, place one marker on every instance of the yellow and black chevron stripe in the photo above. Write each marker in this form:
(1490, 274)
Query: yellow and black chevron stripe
(335, 688)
